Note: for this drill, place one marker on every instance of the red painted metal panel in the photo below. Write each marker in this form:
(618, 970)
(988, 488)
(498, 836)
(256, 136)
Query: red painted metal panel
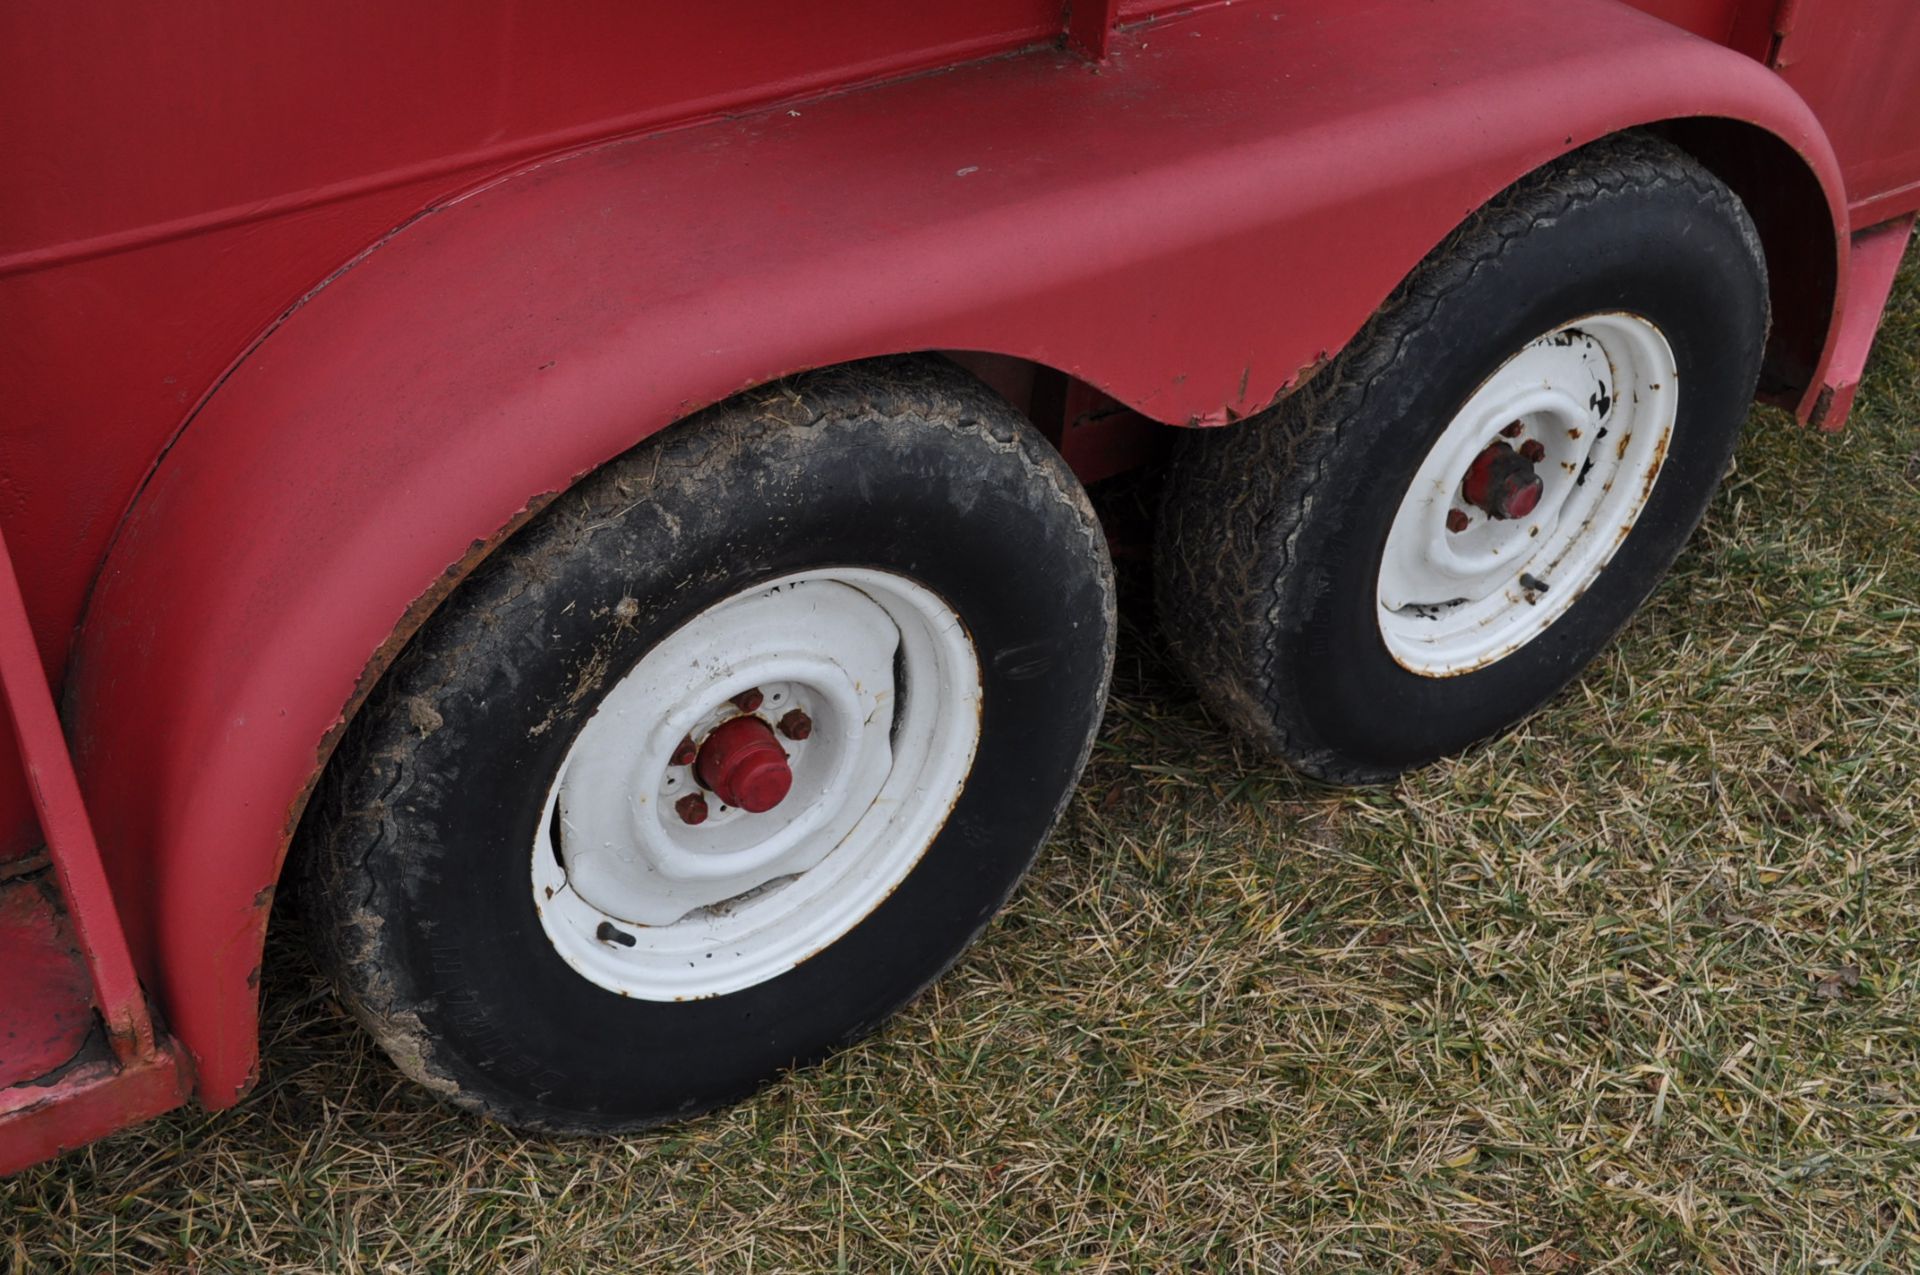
(91, 1100)
(206, 112)
(1713, 19)
(46, 997)
(1877, 254)
(64, 956)
(178, 175)
(1857, 63)
(63, 818)
(1090, 26)
(1134, 11)
(1190, 229)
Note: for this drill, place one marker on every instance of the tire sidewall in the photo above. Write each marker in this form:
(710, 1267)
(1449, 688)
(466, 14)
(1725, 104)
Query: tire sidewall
(1702, 289)
(521, 664)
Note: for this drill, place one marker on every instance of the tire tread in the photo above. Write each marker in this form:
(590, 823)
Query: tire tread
(350, 837)
(1238, 498)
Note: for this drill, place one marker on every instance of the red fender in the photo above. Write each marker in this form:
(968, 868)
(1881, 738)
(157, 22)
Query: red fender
(1192, 227)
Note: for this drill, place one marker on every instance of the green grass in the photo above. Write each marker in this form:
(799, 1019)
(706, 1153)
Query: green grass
(1634, 989)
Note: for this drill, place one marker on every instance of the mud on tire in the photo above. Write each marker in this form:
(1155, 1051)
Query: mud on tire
(417, 854)
(1273, 531)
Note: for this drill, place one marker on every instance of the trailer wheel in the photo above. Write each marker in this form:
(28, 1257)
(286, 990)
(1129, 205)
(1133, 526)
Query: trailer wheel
(1438, 532)
(722, 759)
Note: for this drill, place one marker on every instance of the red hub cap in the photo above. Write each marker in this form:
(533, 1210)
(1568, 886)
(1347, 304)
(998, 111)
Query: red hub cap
(1501, 483)
(744, 765)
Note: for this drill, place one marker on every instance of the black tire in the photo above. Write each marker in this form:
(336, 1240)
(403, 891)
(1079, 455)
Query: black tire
(416, 852)
(1272, 531)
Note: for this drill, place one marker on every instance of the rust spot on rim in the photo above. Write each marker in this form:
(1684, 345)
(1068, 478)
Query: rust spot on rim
(1653, 470)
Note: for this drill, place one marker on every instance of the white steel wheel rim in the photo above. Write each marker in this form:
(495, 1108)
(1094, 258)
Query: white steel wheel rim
(645, 904)
(1599, 395)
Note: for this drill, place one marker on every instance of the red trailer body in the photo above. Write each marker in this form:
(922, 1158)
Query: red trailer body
(307, 308)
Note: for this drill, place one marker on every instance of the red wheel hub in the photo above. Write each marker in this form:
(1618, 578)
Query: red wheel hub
(744, 765)
(1501, 483)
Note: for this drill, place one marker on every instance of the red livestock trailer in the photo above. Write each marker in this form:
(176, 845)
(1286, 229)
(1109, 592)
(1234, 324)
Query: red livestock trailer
(596, 488)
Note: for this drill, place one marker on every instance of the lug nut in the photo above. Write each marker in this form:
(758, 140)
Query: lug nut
(684, 752)
(796, 724)
(1457, 520)
(1533, 450)
(691, 808)
(748, 700)
(1513, 430)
